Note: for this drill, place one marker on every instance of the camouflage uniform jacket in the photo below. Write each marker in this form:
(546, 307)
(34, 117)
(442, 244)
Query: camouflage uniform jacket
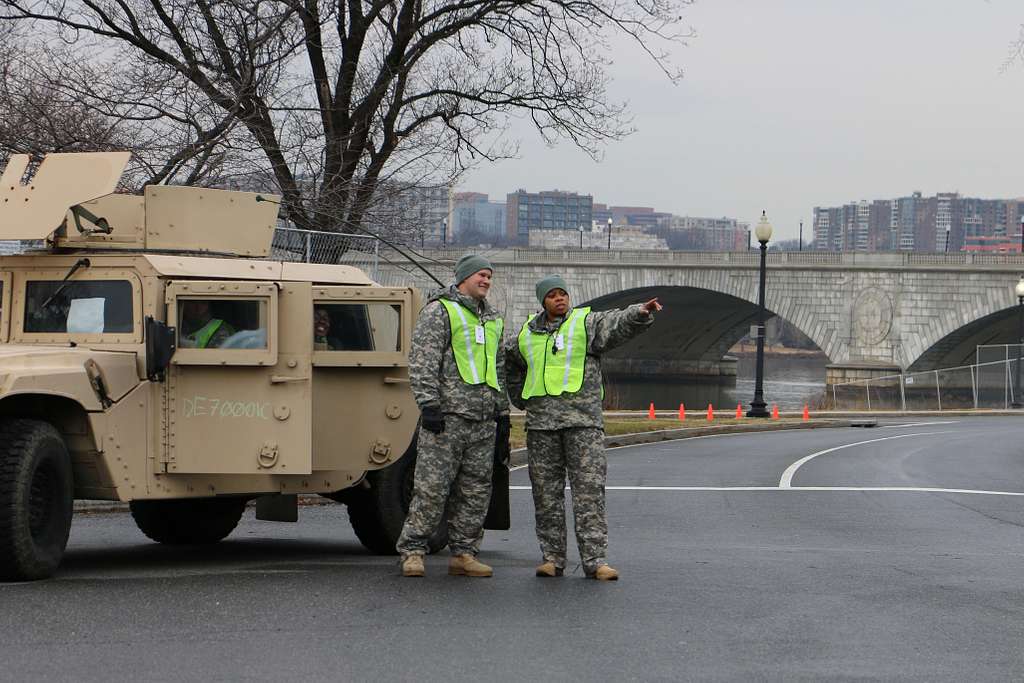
(605, 331)
(433, 372)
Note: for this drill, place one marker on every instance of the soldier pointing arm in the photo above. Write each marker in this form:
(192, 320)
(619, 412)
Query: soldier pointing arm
(554, 372)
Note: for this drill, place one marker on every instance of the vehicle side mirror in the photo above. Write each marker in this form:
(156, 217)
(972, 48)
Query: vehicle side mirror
(160, 347)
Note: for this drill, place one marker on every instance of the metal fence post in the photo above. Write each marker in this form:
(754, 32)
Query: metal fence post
(309, 243)
(938, 394)
(903, 394)
(867, 392)
(974, 387)
(1006, 387)
(376, 257)
(1009, 383)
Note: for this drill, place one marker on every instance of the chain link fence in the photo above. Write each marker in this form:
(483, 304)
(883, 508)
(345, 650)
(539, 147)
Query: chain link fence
(315, 246)
(990, 385)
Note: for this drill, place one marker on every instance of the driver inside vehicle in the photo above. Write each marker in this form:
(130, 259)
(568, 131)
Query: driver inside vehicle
(322, 339)
(199, 328)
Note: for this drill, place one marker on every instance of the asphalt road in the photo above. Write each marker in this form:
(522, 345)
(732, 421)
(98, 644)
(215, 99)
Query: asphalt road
(897, 558)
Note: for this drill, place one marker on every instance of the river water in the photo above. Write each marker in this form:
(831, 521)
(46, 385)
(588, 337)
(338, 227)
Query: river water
(790, 382)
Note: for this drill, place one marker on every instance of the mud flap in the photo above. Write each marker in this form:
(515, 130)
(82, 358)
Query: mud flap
(498, 515)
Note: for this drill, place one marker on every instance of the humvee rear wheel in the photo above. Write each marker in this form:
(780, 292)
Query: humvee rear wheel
(36, 499)
(191, 521)
(377, 514)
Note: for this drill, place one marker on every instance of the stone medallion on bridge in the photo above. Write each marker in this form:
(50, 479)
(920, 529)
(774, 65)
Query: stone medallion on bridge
(872, 316)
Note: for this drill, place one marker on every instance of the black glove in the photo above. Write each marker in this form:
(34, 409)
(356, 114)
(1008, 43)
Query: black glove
(504, 427)
(433, 419)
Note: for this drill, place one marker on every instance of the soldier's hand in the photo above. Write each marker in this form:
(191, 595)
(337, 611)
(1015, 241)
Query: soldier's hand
(433, 419)
(652, 306)
(504, 427)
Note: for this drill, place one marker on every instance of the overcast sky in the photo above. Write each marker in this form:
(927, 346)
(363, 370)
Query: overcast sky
(790, 104)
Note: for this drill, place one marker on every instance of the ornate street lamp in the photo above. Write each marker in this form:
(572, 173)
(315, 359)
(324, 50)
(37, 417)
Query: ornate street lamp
(609, 233)
(1019, 291)
(763, 232)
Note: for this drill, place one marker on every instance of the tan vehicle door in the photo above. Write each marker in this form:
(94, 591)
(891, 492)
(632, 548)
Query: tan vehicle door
(236, 403)
(361, 394)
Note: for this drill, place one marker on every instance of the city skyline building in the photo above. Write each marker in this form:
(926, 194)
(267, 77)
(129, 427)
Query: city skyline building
(474, 214)
(526, 212)
(946, 221)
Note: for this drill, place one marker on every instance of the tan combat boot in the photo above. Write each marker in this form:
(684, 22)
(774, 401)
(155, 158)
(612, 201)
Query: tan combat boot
(412, 565)
(549, 569)
(467, 565)
(605, 573)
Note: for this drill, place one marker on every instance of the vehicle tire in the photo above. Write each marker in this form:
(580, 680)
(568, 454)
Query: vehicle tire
(36, 499)
(377, 513)
(189, 521)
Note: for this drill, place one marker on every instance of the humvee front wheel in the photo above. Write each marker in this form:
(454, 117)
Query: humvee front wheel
(36, 499)
(378, 513)
(190, 521)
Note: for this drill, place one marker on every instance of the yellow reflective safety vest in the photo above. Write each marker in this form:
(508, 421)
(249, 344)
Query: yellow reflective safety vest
(475, 346)
(555, 362)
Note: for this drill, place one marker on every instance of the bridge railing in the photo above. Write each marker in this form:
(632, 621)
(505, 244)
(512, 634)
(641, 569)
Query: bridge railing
(750, 258)
(991, 385)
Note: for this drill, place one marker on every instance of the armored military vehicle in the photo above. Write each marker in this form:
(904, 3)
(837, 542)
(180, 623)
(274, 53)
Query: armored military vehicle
(151, 353)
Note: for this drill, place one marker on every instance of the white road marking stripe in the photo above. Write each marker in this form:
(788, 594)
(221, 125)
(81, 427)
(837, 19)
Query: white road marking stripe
(882, 489)
(919, 424)
(787, 477)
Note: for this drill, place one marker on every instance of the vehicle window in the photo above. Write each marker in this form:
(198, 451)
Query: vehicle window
(222, 323)
(79, 307)
(357, 327)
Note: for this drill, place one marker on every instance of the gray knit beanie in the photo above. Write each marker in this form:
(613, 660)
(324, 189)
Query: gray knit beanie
(547, 284)
(469, 264)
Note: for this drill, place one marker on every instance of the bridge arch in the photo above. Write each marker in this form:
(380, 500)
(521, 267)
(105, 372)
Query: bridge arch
(954, 345)
(693, 333)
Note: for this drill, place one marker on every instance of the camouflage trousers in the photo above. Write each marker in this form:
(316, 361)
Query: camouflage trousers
(452, 467)
(578, 452)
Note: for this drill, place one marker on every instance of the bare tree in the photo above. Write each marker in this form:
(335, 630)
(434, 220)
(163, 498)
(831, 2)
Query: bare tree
(333, 100)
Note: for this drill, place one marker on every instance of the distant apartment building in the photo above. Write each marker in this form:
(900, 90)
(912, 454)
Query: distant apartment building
(704, 234)
(945, 222)
(413, 214)
(527, 212)
(474, 215)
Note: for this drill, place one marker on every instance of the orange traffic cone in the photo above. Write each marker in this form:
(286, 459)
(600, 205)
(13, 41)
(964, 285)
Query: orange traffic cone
(711, 413)
(682, 412)
(807, 414)
(739, 411)
(650, 412)
(775, 412)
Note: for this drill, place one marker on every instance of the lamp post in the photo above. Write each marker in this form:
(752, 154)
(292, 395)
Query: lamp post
(1021, 230)
(609, 233)
(763, 232)
(1019, 291)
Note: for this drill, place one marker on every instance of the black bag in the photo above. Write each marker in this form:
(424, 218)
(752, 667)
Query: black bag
(499, 517)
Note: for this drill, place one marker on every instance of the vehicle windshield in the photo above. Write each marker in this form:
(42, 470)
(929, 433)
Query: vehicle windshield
(82, 307)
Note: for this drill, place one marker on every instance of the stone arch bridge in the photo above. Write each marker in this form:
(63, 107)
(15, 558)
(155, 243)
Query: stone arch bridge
(869, 313)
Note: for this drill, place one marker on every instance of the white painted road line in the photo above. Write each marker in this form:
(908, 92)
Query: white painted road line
(868, 489)
(787, 477)
(919, 424)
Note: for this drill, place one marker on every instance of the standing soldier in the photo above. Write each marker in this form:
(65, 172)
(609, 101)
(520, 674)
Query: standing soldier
(457, 375)
(554, 372)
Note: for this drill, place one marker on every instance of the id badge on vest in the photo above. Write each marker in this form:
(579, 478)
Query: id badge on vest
(559, 342)
(480, 338)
